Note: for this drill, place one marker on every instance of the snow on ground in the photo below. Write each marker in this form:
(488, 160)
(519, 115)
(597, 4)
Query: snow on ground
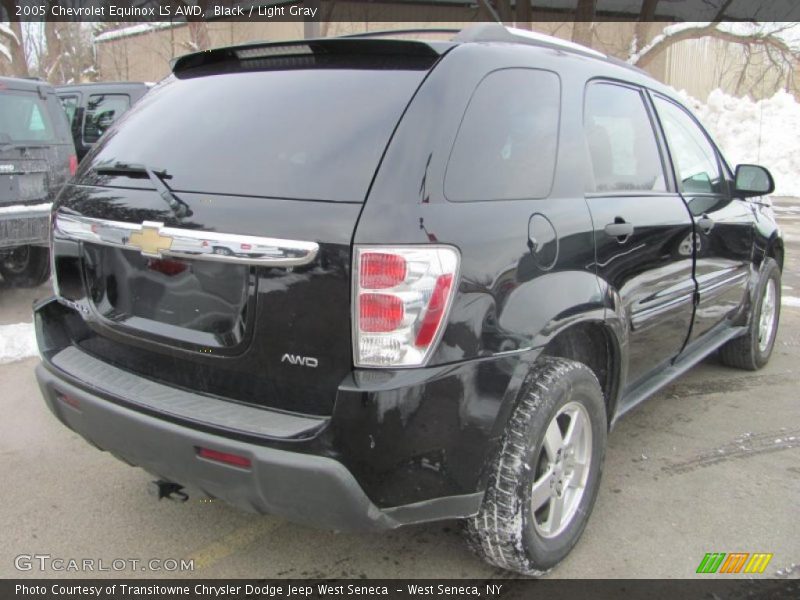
(792, 301)
(764, 132)
(17, 341)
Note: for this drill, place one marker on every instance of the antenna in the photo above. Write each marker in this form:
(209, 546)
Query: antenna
(492, 11)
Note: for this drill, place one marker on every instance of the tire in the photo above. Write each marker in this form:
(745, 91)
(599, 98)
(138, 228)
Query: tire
(26, 266)
(508, 532)
(752, 350)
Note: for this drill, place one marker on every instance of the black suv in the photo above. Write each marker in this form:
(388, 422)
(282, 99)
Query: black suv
(36, 159)
(369, 282)
(92, 107)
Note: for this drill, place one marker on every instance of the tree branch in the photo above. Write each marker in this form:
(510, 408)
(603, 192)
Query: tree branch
(768, 40)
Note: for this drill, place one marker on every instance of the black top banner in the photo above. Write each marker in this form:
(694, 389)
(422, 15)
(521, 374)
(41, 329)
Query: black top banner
(400, 10)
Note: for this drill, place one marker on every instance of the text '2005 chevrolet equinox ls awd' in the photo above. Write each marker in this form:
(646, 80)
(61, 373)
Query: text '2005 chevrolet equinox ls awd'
(362, 283)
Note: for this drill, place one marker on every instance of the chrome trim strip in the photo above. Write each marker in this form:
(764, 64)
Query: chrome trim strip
(155, 240)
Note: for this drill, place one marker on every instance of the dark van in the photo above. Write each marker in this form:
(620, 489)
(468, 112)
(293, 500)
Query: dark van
(92, 107)
(36, 159)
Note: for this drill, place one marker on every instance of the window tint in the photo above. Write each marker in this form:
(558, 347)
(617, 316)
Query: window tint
(101, 111)
(620, 141)
(694, 157)
(23, 117)
(306, 133)
(70, 105)
(506, 146)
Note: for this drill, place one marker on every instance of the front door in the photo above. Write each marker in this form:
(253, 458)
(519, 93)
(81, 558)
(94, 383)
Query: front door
(642, 226)
(723, 242)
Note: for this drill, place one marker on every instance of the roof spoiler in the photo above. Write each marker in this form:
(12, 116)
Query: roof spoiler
(318, 46)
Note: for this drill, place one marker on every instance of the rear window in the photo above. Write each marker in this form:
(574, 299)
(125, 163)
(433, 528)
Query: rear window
(24, 118)
(312, 133)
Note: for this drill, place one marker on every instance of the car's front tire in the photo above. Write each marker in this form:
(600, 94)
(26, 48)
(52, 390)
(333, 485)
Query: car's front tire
(26, 266)
(752, 350)
(544, 482)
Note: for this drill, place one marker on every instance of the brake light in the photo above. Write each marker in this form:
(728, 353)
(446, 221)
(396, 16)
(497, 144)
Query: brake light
(400, 325)
(73, 164)
(380, 270)
(380, 312)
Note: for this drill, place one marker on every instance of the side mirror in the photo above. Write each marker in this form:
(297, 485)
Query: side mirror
(752, 180)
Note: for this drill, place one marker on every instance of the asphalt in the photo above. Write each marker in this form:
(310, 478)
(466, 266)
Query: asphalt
(710, 464)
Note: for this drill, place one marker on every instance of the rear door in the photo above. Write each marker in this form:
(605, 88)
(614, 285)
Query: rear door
(641, 225)
(244, 291)
(723, 241)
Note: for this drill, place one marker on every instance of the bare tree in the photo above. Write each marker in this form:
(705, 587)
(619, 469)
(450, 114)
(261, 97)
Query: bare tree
(582, 30)
(13, 59)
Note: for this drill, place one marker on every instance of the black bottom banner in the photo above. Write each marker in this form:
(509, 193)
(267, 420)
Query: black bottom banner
(357, 589)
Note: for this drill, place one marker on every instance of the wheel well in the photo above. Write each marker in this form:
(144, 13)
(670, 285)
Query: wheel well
(593, 345)
(775, 251)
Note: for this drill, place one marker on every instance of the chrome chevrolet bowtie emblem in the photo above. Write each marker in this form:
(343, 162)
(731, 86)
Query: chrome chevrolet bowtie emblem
(149, 240)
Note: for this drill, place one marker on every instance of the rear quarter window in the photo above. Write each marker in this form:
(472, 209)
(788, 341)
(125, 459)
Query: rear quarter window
(507, 143)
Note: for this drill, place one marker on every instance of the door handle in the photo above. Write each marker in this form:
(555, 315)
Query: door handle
(705, 224)
(619, 229)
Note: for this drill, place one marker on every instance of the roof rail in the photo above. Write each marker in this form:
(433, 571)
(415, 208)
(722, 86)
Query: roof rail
(494, 32)
(386, 32)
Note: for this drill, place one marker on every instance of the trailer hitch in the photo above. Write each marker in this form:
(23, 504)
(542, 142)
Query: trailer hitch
(167, 489)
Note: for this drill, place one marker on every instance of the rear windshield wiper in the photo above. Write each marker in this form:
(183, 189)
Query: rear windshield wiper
(157, 177)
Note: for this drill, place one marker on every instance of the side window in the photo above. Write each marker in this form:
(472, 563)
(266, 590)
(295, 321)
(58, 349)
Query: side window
(507, 142)
(620, 141)
(696, 164)
(101, 111)
(70, 105)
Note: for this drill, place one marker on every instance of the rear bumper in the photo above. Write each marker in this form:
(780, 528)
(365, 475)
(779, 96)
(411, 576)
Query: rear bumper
(22, 224)
(399, 447)
(305, 488)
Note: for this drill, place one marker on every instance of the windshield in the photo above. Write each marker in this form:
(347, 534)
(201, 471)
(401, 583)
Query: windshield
(24, 118)
(313, 133)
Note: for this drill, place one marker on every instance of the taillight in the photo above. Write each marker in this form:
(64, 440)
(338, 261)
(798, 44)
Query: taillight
(401, 297)
(73, 164)
(379, 270)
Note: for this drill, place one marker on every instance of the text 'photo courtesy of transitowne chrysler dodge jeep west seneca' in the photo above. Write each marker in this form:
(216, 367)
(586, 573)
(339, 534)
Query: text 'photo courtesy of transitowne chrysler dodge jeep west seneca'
(363, 283)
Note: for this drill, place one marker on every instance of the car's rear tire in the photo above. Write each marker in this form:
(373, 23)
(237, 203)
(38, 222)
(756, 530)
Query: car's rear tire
(537, 470)
(26, 266)
(752, 350)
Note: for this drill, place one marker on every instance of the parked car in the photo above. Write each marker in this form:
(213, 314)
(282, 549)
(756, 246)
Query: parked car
(92, 107)
(472, 261)
(36, 159)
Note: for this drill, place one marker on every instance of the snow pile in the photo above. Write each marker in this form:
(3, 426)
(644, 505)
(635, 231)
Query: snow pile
(17, 341)
(763, 132)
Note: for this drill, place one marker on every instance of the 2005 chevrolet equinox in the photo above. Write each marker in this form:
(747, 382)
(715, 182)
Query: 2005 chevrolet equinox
(362, 283)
